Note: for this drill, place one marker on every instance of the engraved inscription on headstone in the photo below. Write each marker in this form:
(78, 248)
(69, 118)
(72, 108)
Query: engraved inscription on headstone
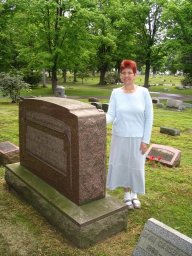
(47, 148)
(49, 122)
(165, 154)
(161, 240)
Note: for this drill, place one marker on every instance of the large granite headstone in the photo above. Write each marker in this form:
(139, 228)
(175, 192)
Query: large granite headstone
(158, 239)
(62, 171)
(167, 155)
(63, 142)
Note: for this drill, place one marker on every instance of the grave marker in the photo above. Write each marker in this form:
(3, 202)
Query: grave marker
(169, 131)
(159, 239)
(9, 153)
(62, 172)
(63, 142)
(165, 154)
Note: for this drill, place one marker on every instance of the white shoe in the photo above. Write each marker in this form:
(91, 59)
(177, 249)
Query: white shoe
(129, 204)
(136, 203)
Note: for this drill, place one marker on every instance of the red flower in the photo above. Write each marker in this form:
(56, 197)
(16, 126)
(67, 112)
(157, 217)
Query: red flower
(151, 158)
(159, 158)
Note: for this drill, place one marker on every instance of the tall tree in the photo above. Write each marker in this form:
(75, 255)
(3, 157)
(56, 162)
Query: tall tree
(179, 27)
(149, 34)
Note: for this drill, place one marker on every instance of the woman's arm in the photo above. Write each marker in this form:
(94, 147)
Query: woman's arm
(110, 115)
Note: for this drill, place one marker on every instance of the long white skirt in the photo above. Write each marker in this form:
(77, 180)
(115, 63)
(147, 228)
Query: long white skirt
(126, 164)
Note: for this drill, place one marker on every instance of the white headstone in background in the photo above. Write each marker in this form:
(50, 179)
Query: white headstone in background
(60, 92)
(158, 239)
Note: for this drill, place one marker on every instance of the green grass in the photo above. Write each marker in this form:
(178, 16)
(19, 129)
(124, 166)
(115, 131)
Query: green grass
(23, 231)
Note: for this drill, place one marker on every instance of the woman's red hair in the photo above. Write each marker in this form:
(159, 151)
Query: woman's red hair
(128, 64)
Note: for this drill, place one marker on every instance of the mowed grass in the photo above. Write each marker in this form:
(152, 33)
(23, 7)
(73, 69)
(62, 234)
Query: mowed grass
(23, 231)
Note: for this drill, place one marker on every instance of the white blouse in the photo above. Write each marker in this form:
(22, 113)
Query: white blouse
(131, 113)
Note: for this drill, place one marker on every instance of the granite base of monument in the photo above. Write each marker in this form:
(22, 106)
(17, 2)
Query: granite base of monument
(82, 225)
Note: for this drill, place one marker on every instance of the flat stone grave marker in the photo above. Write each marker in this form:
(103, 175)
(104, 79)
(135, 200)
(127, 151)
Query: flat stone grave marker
(93, 99)
(105, 107)
(98, 105)
(169, 131)
(158, 239)
(164, 154)
(9, 153)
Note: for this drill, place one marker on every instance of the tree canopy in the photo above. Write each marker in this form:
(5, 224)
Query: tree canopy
(95, 35)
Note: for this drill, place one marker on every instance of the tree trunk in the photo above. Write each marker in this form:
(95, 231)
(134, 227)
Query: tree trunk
(147, 72)
(74, 76)
(44, 78)
(54, 78)
(103, 71)
(65, 75)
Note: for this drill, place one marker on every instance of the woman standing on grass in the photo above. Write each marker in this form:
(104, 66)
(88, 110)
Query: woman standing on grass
(131, 114)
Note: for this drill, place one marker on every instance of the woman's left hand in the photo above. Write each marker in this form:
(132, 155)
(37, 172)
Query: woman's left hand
(143, 148)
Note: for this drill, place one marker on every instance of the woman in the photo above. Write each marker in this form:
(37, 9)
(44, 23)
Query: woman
(131, 113)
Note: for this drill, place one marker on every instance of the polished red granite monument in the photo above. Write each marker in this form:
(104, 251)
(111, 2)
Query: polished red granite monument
(62, 171)
(63, 142)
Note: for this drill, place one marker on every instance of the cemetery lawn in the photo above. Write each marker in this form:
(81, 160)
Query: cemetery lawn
(23, 231)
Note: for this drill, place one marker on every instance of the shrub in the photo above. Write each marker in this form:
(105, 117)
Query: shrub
(112, 78)
(32, 77)
(11, 86)
(187, 81)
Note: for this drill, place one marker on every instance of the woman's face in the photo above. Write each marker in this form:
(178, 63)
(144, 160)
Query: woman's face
(127, 76)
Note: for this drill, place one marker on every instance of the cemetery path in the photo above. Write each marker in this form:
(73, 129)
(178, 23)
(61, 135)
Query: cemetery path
(161, 95)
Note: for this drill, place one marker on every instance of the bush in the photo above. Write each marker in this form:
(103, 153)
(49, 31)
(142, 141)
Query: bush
(187, 81)
(33, 78)
(112, 78)
(11, 86)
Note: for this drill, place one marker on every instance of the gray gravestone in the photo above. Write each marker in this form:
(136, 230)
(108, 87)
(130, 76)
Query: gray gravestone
(164, 154)
(60, 92)
(169, 131)
(98, 105)
(155, 100)
(175, 104)
(158, 239)
(93, 99)
(105, 107)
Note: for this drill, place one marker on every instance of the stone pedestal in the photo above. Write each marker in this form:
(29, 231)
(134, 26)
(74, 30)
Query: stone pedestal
(83, 225)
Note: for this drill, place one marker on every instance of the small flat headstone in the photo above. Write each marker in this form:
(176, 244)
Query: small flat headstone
(93, 99)
(155, 100)
(164, 154)
(159, 239)
(169, 131)
(98, 105)
(105, 107)
(9, 153)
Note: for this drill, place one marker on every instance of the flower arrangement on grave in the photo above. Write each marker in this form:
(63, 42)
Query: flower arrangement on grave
(154, 161)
